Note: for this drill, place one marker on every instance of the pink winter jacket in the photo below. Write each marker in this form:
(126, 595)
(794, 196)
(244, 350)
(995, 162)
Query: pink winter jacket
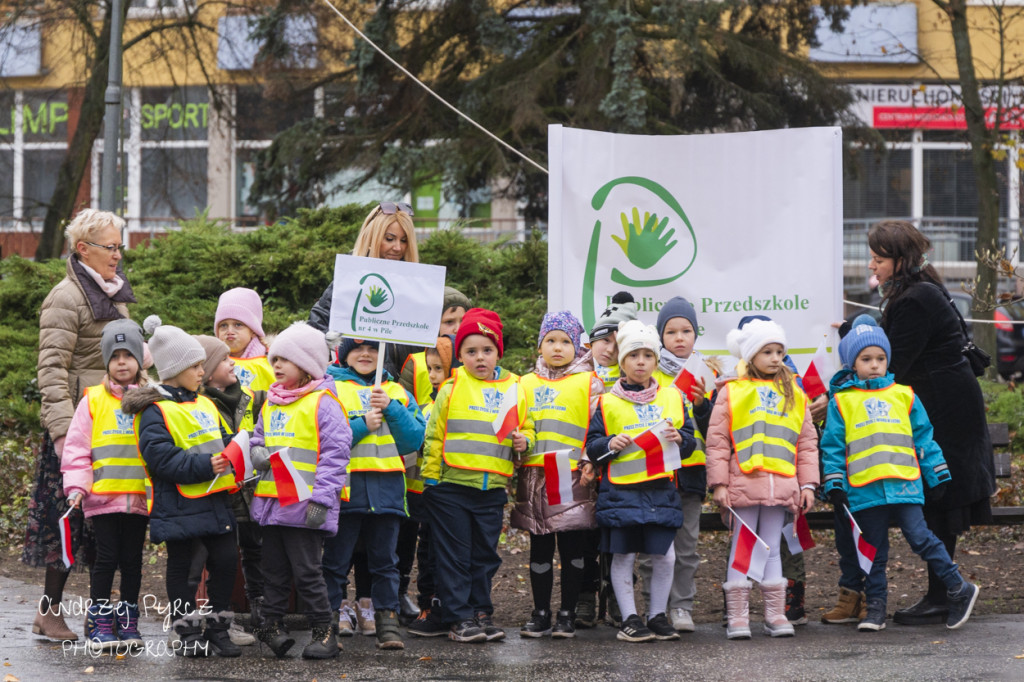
(76, 465)
(759, 487)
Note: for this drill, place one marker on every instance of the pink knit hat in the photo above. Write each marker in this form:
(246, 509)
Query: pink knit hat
(304, 346)
(243, 305)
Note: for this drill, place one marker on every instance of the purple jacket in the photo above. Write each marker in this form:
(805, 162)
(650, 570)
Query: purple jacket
(335, 442)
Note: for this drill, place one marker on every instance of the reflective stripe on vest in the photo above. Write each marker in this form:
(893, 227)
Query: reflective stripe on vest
(632, 419)
(375, 451)
(117, 467)
(697, 457)
(561, 413)
(421, 387)
(413, 477)
(254, 373)
(763, 437)
(609, 375)
(879, 435)
(295, 427)
(195, 428)
(469, 441)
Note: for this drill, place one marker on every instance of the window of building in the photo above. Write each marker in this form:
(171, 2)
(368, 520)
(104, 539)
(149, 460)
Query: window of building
(877, 185)
(33, 143)
(950, 189)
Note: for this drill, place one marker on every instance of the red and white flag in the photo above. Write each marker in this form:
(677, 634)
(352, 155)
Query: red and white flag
(819, 373)
(694, 371)
(865, 550)
(291, 489)
(558, 476)
(66, 551)
(507, 419)
(662, 454)
(751, 555)
(237, 452)
(798, 535)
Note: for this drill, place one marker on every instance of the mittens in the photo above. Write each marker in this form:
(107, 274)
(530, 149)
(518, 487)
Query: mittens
(316, 514)
(260, 457)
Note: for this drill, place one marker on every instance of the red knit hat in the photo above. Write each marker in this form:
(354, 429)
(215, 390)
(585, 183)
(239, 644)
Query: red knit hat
(483, 322)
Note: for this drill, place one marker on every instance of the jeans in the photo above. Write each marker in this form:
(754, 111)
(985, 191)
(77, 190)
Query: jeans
(850, 575)
(874, 525)
(381, 533)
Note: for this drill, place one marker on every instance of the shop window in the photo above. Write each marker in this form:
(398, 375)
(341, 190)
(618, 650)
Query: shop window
(950, 189)
(6, 187)
(260, 118)
(175, 113)
(175, 182)
(41, 167)
(877, 185)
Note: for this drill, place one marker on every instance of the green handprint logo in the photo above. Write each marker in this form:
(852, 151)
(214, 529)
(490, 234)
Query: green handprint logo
(645, 243)
(379, 297)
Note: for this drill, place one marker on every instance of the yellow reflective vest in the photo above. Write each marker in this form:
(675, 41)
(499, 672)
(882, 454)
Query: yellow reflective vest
(561, 413)
(632, 419)
(248, 422)
(117, 467)
(195, 428)
(609, 375)
(469, 440)
(376, 451)
(421, 387)
(254, 373)
(879, 435)
(293, 426)
(763, 436)
(697, 457)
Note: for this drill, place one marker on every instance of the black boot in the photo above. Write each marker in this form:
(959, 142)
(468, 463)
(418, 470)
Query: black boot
(323, 643)
(189, 629)
(255, 613)
(274, 637)
(216, 634)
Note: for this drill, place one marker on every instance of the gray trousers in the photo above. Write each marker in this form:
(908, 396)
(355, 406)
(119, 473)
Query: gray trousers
(684, 585)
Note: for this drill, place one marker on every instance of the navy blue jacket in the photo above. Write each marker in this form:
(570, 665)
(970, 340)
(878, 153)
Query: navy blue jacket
(174, 516)
(381, 493)
(651, 502)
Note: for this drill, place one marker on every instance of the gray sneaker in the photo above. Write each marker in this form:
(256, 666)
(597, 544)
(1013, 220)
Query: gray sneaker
(961, 603)
(875, 619)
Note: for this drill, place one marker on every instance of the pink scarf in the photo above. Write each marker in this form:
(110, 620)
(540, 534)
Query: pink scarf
(279, 395)
(583, 363)
(639, 397)
(255, 349)
(108, 286)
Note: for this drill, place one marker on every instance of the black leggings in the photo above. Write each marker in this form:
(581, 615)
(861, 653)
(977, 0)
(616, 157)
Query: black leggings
(120, 538)
(542, 556)
(221, 564)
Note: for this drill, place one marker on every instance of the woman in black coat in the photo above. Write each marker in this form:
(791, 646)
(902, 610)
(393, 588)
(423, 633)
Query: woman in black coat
(927, 341)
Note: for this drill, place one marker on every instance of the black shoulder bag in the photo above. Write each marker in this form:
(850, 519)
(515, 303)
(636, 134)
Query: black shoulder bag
(976, 357)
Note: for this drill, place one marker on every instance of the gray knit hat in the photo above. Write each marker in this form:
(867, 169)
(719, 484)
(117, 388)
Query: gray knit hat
(453, 298)
(621, 309)
(676, 306)
(174, 351)
(303, 346)
(216, 351)
(125, 334)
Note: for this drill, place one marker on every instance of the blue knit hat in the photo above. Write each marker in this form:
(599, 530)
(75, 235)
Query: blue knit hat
(865, 333)
(676, 307)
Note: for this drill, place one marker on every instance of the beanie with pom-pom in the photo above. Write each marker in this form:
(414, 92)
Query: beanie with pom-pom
(746, 342)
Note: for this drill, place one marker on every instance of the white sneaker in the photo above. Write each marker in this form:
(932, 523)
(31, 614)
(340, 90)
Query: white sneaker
(239, 636)
(364, 617)
(682, 621)
(347, 619)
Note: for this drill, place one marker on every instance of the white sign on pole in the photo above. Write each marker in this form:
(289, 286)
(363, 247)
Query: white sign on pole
(386, 300)
(738, 224)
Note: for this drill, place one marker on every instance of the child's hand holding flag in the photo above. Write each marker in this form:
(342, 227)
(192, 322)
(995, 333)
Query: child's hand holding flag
(694, 378)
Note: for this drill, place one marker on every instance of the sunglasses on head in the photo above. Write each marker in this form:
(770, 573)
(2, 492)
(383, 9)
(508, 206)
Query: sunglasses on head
(391, 208)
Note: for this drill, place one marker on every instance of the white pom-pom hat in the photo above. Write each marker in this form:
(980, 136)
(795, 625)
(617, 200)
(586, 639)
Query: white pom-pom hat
(755, 335)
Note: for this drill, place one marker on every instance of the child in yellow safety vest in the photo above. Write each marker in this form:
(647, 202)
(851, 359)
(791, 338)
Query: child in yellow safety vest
(181, 437)
(638, 507)
(762, 462)
(105, 477)
(386, 427)
(297, 499)
(415, 375)
(876, 447)
(238, 322)
(466, 470)
(561, 394)
(678, 331)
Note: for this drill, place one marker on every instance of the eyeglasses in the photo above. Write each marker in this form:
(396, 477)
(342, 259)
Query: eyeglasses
(109, 248)
(391, 208)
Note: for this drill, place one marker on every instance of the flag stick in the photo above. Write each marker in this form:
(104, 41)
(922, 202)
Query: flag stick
(733, 512)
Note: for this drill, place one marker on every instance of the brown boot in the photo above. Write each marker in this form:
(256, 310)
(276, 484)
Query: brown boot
(850, 608)
(50, 624)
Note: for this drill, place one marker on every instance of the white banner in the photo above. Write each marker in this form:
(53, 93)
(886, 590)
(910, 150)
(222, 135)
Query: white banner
(738, 224)
(387, 300)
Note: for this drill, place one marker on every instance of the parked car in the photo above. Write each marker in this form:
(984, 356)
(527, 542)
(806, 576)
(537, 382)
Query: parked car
(1009, 337)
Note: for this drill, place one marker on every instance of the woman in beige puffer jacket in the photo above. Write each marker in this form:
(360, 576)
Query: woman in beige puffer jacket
(71, 320)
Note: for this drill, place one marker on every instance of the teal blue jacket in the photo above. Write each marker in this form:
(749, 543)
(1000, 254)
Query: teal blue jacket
(886, 490)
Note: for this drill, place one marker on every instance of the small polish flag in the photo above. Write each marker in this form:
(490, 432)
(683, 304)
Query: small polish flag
(237, 452)
(507, 419)
(798, 535)
(819, 372)
(291, 489)
(751, 554)
(662, 454)
(865, 551)
(558, 476)
(694, 371)
(66, 552)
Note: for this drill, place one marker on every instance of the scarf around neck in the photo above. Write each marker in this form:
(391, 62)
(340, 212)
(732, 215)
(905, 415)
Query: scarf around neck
(107, 286)
(669, 363)
(255, 349)
(583, 363)
(640, 397)
(279, 395)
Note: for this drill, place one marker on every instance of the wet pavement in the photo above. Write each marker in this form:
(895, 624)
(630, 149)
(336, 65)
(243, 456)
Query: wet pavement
(985, 649)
